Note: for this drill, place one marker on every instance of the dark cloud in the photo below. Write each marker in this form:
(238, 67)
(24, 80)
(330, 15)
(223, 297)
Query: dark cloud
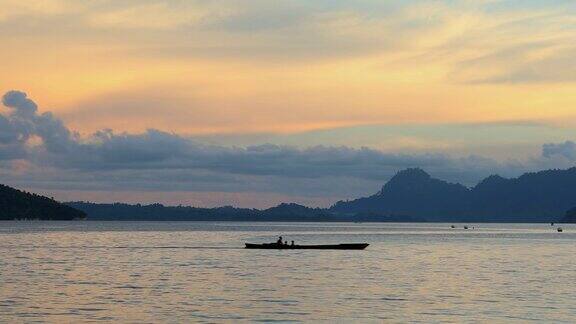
(157, 160)
(160, 150)
(566, 150)
(12, 152)
(23, 122)
(20, 103)
(8, 132)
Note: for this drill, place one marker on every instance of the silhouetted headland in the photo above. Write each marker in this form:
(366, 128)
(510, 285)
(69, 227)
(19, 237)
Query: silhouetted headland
(16, 204)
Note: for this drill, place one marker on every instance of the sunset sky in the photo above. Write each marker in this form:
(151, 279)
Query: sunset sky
(252, 103)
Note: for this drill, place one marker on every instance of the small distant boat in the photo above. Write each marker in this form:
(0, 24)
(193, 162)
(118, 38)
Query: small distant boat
(276, 246)
(559, 229)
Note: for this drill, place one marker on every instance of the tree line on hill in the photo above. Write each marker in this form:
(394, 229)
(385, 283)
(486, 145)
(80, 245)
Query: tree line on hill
(17, 204)
(283, 212)
(543, 196)
(411, 195)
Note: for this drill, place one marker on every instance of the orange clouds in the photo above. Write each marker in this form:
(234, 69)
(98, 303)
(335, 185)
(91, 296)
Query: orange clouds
(248, 67)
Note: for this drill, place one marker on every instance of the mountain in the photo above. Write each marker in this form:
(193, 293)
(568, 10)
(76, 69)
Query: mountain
(533, 197)
(413, 193)
(570, 216)
(295, 212)
(16, 204)
(159, 212)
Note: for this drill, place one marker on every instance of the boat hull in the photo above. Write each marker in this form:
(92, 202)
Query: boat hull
(274, 246)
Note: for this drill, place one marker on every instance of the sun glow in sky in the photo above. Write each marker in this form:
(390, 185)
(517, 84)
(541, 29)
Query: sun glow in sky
(461, 88)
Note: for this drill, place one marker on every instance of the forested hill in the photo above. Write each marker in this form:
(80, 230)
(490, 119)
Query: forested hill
(159, 212)
(570, 216)
(412, 195)
(16, 204)
(543, 196)
(281, 213)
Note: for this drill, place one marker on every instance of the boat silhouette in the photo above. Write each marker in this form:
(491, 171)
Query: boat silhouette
(276, 246)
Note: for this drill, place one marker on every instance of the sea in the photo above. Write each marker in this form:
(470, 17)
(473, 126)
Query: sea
(175, 272)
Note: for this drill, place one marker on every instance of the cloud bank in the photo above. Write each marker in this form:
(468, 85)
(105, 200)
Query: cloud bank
(37, 150)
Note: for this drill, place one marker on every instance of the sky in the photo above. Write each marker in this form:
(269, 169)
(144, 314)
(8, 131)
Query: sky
(254, 102)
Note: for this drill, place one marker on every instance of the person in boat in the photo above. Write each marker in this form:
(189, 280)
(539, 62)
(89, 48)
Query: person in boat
(279, 242)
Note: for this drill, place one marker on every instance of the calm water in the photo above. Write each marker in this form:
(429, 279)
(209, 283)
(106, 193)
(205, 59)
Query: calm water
(183, 272)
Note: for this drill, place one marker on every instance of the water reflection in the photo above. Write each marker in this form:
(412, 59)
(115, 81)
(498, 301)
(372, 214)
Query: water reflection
(158, 272)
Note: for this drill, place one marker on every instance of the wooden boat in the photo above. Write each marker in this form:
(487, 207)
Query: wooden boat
(347, 246)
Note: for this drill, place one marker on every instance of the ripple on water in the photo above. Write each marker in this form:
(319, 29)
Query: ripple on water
(143, 272)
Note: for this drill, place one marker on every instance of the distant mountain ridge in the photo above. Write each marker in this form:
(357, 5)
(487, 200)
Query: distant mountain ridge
(16, 204)
(412, 195)
(159, 212)
(285, 212)
(533, 197)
